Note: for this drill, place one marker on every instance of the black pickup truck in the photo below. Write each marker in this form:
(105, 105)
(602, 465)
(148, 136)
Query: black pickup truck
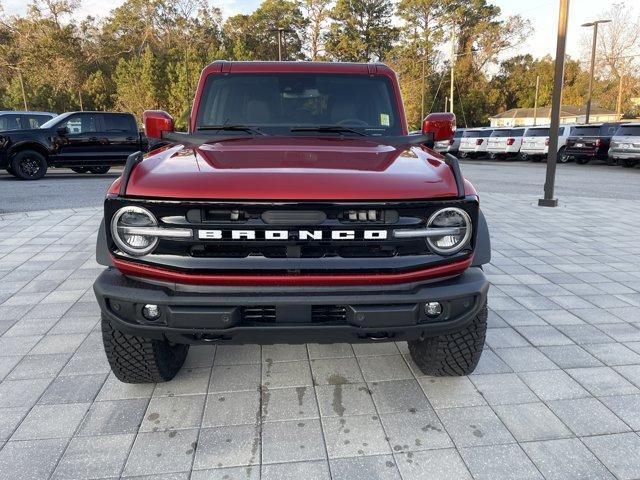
(83, 141)
(590, 142)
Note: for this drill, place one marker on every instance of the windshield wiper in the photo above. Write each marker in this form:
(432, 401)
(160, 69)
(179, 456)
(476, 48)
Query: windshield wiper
(233, 128)
(329, 129)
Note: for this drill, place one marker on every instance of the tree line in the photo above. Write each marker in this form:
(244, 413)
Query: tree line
(148, 54)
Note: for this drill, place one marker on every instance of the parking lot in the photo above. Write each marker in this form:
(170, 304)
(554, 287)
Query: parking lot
(556, 394)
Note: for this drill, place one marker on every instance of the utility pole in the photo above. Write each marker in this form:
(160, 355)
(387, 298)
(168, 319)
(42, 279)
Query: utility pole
(422, 89)
(619, 101)
(453, 62)
(593, 62)
(535, 102)
(281, 31)
(558, 79)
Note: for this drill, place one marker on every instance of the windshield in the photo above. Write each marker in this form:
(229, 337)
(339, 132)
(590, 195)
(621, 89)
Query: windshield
(631, 131)
(55, 120)
(277, 103)
(537, 132)
(501, 133)
(586, 131)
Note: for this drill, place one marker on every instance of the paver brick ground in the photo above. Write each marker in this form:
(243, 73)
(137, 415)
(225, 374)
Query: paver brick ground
(556, 394)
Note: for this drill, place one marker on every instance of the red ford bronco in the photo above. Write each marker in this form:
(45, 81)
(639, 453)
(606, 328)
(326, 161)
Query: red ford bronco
(296, 209)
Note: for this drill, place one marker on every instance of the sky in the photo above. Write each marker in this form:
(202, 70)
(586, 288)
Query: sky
(543, 15)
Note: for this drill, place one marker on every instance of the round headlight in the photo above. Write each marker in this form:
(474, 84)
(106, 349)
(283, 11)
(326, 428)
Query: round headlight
(123, 226)
(450, 217)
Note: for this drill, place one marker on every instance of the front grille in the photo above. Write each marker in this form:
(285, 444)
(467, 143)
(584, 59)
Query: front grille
(328, 314)
(259, 314)
(230, 237)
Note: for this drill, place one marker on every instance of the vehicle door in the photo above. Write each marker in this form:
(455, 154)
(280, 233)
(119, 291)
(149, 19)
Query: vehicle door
(76, 140)
(121, 137)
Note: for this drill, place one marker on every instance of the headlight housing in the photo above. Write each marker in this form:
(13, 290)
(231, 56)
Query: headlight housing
(450, 217)
(126, 227)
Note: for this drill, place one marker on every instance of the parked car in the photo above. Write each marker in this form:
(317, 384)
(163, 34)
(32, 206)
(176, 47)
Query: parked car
(535, 143)
(505, 142)
(625, 145)
(291, 223)
(590, 142)
(10, 120)
(474, 141)
(450, 146)
(83, 141)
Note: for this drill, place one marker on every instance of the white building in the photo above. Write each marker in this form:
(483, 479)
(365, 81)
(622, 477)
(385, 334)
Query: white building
(521, 117)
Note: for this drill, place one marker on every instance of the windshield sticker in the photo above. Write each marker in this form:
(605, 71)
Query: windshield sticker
(384, 119)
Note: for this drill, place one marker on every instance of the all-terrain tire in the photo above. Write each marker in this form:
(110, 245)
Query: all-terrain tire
(29, 165)
(562, 158)
(136, 359)
(452, 354)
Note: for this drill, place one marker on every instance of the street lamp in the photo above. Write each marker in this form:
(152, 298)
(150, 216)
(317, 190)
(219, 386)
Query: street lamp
(593, 24)
(281, 31)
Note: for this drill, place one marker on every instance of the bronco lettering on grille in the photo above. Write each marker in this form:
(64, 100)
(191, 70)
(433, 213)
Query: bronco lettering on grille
(292, 234)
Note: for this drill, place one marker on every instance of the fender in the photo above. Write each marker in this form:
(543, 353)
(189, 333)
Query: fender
(482, 253)
(103, 257)
(30, 144)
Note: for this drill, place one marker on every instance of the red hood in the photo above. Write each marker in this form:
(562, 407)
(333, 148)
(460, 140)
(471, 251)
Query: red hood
(292, 169)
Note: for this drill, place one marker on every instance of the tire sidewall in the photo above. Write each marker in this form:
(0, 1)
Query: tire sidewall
(20, 157)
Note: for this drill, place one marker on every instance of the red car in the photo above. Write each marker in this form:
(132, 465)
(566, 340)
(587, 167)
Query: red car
(296, 209)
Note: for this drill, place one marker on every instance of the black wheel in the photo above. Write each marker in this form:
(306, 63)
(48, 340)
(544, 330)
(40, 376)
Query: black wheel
(581, 161)
(453, 354)
(29, 165)
(463, 155)
(562, 158)
(80, 169)
(141, 360)
(493, 156)
(99, 170)
(627, 163)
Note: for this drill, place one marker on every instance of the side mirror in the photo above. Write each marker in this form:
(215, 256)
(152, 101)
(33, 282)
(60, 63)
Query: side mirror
(62, 131)
(441, 125)
(156, 122)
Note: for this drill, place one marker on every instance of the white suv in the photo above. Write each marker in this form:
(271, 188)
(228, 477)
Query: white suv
(535, 143)
(473, 143)
(505, 142)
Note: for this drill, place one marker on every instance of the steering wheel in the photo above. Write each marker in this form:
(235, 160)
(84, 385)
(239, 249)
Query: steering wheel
(352, 121)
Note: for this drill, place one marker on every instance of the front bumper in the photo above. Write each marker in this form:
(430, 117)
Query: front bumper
(213, 314)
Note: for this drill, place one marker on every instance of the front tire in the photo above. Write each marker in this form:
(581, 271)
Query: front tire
(452, 354)
(29, 165)
(136, 359)
(80, 169)
(629, 163)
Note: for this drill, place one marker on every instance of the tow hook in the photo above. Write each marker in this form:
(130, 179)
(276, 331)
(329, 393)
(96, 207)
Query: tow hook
(377, 336)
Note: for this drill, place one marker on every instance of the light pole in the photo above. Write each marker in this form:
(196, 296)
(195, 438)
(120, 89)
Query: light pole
(593, 24)
(281, 31)
(558, 78)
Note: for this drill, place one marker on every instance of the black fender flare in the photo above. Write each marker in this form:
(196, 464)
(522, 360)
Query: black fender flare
(103, 257)
(482, 252)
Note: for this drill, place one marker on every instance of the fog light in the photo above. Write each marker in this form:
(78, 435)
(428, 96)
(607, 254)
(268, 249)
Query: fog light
(433, 309)
(151, 312)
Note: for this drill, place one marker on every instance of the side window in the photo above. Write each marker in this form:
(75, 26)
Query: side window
(83, 123)
(518, 132)
(34, 121)
(560, 131)
(119, 122)
(10, 122)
